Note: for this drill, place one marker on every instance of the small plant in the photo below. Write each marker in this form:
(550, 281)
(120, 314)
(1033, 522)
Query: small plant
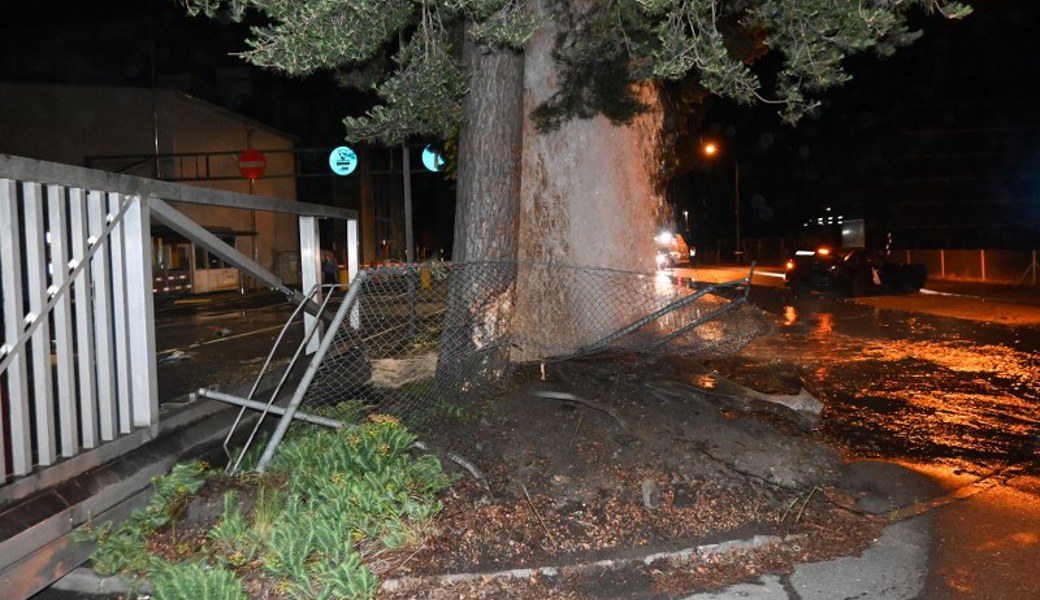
(346, 411)
(343, 487)
(450, 409)
(233, 539)
(347, 579)
(195, 581)
(121, 548)
(326, 492)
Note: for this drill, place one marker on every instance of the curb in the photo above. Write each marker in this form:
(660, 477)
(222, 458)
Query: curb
(84, 580)
(756, 541)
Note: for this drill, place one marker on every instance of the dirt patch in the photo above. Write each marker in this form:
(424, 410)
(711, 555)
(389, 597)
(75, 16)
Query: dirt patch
(618, 483)
(621, 471)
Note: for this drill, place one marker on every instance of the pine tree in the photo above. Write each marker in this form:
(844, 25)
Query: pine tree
(553, 101)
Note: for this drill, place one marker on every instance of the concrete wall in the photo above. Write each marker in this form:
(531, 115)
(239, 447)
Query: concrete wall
(78, 124)
(192, 127)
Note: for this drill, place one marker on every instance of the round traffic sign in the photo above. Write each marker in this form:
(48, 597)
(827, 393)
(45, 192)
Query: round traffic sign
(251, 163)
(431, 159)
(342, 160)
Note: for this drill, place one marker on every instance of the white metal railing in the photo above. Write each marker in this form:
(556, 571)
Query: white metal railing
(77, 360)
(73, 264)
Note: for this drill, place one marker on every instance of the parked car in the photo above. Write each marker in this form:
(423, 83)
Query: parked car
(672, 250)
(851, 272)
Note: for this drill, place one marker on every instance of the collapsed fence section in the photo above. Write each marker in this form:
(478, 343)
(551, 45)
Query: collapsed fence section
(405, 339)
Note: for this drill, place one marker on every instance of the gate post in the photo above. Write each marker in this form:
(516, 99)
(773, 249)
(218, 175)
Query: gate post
(310, 271)
(137, 233)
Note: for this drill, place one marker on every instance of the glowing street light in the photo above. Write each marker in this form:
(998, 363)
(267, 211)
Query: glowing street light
(710, 150)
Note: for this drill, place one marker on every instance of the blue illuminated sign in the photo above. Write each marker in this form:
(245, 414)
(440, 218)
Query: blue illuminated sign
(431, 159)
(342, 160)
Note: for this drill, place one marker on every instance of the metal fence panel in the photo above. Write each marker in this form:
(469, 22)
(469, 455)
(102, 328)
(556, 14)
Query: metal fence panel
(141, 313)
(1007, 266)
(418, 335)
(77, 360)
(406, 339)
(40, 343)
(104, 353)
(86, 377)
(64, 364)
(120, 332)
(16, 373)
(984, 265)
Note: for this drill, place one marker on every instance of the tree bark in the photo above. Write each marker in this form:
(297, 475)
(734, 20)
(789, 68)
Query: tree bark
(480, 297)
(490, 142)
(586, 199)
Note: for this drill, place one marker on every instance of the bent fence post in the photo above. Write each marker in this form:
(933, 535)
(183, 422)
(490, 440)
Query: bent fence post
(312, 369)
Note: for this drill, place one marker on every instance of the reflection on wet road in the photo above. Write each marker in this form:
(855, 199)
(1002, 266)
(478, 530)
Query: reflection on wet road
(220, 344)
(903, 385)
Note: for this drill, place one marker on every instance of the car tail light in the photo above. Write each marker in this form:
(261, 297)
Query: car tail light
(789, 265)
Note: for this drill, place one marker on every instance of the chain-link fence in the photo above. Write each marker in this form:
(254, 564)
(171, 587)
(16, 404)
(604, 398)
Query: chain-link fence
(416, 335)
(405, 338)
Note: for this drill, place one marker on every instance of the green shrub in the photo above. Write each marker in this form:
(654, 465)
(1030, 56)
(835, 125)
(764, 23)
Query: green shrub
(121, 548)
(196, 581)
(326, 491)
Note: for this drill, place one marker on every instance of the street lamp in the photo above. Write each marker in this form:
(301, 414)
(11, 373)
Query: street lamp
(710, 150)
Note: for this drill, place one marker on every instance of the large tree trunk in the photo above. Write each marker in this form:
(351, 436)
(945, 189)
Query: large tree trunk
(486, 217)
(488, 194)
(586, 199)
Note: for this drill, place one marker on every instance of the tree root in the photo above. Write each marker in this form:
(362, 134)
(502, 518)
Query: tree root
(455, 458)
(565, 397)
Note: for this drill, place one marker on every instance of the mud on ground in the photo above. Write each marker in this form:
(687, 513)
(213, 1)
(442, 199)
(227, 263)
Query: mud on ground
(628, 458)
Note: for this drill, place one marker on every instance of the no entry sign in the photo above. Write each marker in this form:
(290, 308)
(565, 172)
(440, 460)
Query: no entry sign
(251, 164)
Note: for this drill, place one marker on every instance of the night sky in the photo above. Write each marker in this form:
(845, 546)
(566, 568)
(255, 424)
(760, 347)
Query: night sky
(141, 42)
(937, 145)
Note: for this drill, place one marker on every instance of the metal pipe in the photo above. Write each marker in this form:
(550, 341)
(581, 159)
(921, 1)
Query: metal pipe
(406, 165)
(657, 314)
(717, 312)
(701, 320)
(263, 369)
(312, 370)
(285, 376)
(260, 406)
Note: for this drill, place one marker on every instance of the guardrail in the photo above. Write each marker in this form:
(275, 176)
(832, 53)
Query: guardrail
(77, 361)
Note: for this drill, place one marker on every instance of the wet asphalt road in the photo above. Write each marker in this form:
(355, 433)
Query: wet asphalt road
(954, 400)
(910, 386)
(219, 341)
